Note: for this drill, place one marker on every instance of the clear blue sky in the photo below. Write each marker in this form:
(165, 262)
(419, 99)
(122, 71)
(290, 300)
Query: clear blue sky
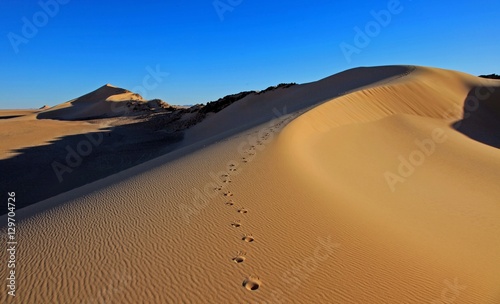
(210, 52)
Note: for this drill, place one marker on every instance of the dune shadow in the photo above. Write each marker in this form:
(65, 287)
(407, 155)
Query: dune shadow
(41, 172)
(68, 162)
(10, 116)
(481, 118)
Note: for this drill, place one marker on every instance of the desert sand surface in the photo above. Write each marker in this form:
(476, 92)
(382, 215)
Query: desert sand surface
(26, 131)
(29, 128)
(55, 149)
(374, 185)
(5, 114)
(107, 101)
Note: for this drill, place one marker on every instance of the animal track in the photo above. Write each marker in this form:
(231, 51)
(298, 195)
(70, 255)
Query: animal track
(252, 283)
(242, 211)
(218, 188)
(236, 224)
(228, 194)
(230, 203)
(240, 258)
(248, 238)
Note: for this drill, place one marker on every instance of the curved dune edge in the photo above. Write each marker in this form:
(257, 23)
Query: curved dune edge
(446, 208)
(306, 209)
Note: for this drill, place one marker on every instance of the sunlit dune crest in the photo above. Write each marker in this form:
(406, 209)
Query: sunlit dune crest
(374, 185)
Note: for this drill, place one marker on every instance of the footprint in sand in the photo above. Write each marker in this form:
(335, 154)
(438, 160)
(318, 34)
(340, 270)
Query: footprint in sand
(236, 224)
(230, 203)
(248, 238)
(218, 188)
(240, 257)
(252, 283)
(242, 211)
(228, 194)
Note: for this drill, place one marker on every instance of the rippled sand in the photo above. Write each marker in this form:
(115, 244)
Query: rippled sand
(298, 195)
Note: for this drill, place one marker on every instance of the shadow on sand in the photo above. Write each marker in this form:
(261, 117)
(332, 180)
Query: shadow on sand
(481, 119)
(38, 173)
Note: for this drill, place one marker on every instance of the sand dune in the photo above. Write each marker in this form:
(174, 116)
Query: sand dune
(107, 101)
(29, 128)
(358, 188)
(257, 109)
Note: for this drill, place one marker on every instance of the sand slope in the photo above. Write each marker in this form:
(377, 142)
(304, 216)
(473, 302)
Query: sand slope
(300, 196)
(8, 114)
(39, 127)
(24, 132)
(106, 101)
(442, 215)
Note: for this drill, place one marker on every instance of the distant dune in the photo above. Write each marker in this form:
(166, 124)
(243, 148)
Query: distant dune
(76, 142)
(107, 101)
(374, 185)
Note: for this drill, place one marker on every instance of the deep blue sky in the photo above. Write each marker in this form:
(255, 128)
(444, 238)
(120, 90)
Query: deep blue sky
(86, 44)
